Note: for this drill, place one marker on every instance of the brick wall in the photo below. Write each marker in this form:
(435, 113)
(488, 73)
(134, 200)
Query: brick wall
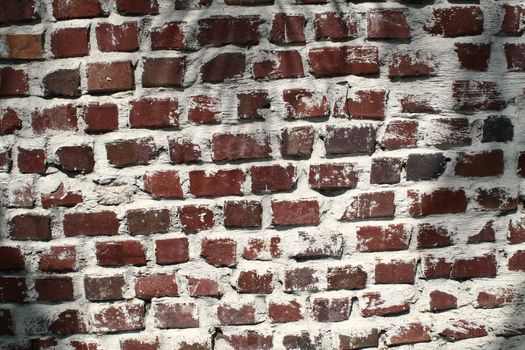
(261, 174)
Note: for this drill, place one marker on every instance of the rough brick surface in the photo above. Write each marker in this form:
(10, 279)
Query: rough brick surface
(262, 174)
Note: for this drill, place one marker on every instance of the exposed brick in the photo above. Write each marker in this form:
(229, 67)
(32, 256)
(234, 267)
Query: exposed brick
(242, 214)
(118, 317)
(110, 77)
(13, 82)
(170, 36)
(176, 315)
(300, 279)
(139, 344)
(262, 249)
(387, 24)
(63, 82)
(252, 105)
(30, 226)
(333, 176)
(331, 309)
(223, 67)
(204, 109)
(31, 161)
(104, 288)
(278, 65)
(400, 134)
(472, 95)
(224, 30)
(456, 21)
(13, 11)
(440, 301)
(425, 166)
(138, 7)
(370, 205)
(10, 121)
(22, 46)
(59, 118)
(171, 251)
(357, 140)
(377, 305)
(482, 266)
(232, 315)
(281, 312)
(334, 26)
(156, 286)
(195, 218)
(11, 258)
(117, 37)
(163, 72)
(385, 171)
(250, 338)
(69, 9)
(475, 164)
(183, 150)
(336, 61)
(516, 261)
(13, 289)
(297, 142)
(346, 277)
(395, 272)
(304, 104)
(409, 333)
(434, 267)
(420, 63)
(203, 287)
(473, 56)
(299, 212)
(219, 252)
(54, 289)
(76, 158)
(273, 178)
(6, 322)
(100, 117)
(287, 29)
(254, 282)
(304, 340)
(216, 184)
(125, 153)
(515, 54)
(486, 234)
(362, 104)
(439, 201)
(102, 223)
(382, 238)
(415, 104)
(512, 23)
(317, 246)
(464, 330)
(58, 258)
(120, 253)
(143, 221)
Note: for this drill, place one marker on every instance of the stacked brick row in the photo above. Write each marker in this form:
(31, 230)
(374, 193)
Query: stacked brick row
(261, 174)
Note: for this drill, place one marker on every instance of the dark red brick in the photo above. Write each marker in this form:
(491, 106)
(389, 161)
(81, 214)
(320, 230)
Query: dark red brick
(145, 222)
(273, 178)
(117, 37)
(456, 21)
(120, 253)
(345, 60)
(512, 23)
(125, 153)
(11, 258)
(118, 317)
(254, 282)
(370, 205)
(382, 238)
(473, 56)
(171, 251)
(287, 29)
(31, 161)
(58, 258)
(10, 121)
(439, 201)
(298, 142)
(54, 289)
(472, 95)
(138, 7)
(298, 212)
(440, 301)
(409, 333)
(224, 66)
(101, 117)
(13, 289)
(217, 184)
(204, 109)
(387, 24)
(385, 171)
(13, 82)
(69, 9)
(253, 104)
(219, 252)
(104, 288)
(183, 150)
(356, 140)
(420, 63)
(156, 286)
(163, 72)
(242, 214)
(224, 30)
(278, 65)
(475, 164)
(395, 272)
(195, 218)
(346, 277)
(400, 134)
(176, 315)
(76, 158)
(476, 267)
(301, 279)
(331, 309)
(30, 226)
(304, 104)
(334, 26)
(59, 118)
(110, 77)
(170, 36)
(289, 311)
(102, 223)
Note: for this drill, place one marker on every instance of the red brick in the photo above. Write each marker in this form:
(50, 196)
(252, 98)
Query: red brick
(475, 164)
(273, 178)
(512, 23)
(433, 236)
(6, 322)
(515, 54)
(300, 279)
(486, 234)
(304, 104)
(118, 317)
(163, 72)
(410, 333)
(76, 158)
(117, 37)
(370, 205)
(125, 153)
(456, 21)
(395, 272)
(138, 7)
(262, 249)
(496, 198)
(363, 104)
(224, 66)
(236, 315)
(176, 315)
(170, 36)
(217, 184)
(110, 77)
(104, 288)
(59, 118)
(172, 251)
(23, 46)
(439, 201)
(120, 253)
(54, 289)
(491, 298)
(253, 104)
(334, 26)
(418, 63)
(102, 223)
(62, 83)
(11, 258)
(31, 161)
(382, 238)
(100, 117)
(331, 309)
(464, 330)
(278, 65)
(346, 277)
(58, 259)
(9, 121)
(254, 282)
(195, 218)
(376, 305)
(13, 11)
(355, 140)
(69, 9)
(30, 226)
(415, 104)
(204, 109)
(310, 246)
(285, 312)
(139, 344)
(219, 252)
(361, 339)
(154, 113)
(517, 261)
(242, 214)
(144, 221)
(516, 231)
(12, 289)
(400, 134)
(298, 212)
(481, 266)
(203, 287)
(332, 176)
(440, 301)
(297, 142)
(345, 60)
(156, 286)
(385, 170)
(473, 56)
(471, 95)
(434, 267)
(13, 82)
(387, 24)
(224, 30)
(183, 150)
(287, 29)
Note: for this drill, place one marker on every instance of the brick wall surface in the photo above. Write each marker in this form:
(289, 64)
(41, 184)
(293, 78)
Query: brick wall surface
(262, 174)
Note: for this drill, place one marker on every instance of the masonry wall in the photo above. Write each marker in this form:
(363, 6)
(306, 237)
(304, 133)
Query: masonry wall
(261, 174)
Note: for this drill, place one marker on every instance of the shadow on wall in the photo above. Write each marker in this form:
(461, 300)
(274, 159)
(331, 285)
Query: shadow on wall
(418, 103)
